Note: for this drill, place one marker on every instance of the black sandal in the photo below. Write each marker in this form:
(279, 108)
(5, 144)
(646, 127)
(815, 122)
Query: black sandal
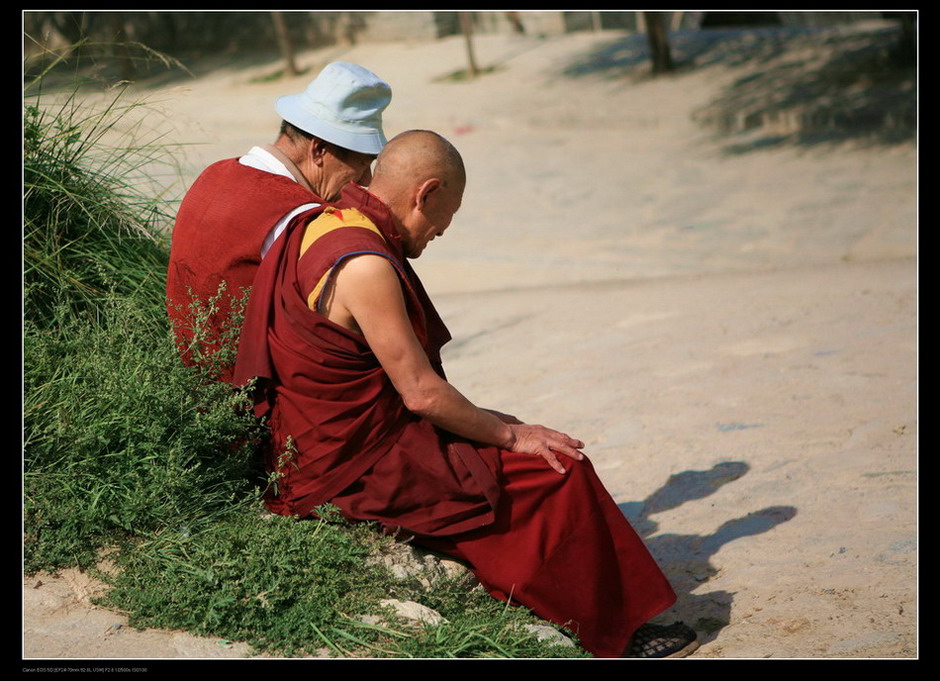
(655, 640)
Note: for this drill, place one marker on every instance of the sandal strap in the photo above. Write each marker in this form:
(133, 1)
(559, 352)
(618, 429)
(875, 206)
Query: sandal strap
(656, 640)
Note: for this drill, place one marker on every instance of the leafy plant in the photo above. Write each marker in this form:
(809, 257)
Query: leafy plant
(120, 439)
(278, 583)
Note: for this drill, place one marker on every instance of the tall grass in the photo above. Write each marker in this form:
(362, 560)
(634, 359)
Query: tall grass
(88, 233)
(120, 440)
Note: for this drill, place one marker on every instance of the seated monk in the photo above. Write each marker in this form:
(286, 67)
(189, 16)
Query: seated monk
(345, 344)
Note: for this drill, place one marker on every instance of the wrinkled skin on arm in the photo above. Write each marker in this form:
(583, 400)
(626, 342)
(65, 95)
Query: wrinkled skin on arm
(366, 297)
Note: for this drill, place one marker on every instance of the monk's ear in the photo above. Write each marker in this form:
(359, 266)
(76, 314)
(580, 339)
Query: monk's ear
(317, 150)
(425, 190)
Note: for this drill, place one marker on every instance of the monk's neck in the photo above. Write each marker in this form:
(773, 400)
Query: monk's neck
(374, 207)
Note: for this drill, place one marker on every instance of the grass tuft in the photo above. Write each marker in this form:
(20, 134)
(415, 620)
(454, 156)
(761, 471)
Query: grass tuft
(90, 229)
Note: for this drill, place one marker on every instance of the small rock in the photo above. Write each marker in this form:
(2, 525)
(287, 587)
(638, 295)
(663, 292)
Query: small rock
(543, 632)
(426, 569)
(455, 571)
(414, 611)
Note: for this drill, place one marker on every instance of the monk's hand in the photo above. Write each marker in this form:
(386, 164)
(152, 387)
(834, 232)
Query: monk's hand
(547, 443)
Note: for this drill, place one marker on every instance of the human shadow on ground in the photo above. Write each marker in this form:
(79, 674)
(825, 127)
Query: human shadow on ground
(801, 86)
(686, 559)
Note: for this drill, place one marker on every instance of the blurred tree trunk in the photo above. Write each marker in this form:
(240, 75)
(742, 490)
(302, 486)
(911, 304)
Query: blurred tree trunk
(909, 35)
(515, 22)
(658, 42)
(466, 25)
(128, 72)
(284, 43)
(72, 25)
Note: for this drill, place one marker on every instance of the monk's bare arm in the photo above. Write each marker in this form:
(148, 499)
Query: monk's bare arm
(368, 293)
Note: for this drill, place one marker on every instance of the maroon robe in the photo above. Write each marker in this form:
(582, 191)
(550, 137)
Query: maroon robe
(220, 228)
(555, 543)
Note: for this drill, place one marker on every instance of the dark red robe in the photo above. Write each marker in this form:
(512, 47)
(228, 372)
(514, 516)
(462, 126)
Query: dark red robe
(555, 543)
(220, 228)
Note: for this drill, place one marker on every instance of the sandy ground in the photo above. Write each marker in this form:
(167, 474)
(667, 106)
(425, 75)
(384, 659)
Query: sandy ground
(733, 335)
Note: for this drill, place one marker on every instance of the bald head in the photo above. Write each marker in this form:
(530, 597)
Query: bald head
(420, 176)
(413, 157)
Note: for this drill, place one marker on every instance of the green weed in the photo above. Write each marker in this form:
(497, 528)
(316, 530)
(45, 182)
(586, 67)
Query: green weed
(120, 439)
(281, 584)
(300, 588)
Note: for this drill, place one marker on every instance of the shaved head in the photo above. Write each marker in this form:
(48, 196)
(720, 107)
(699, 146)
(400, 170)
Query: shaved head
(420, 176)
(414, 157)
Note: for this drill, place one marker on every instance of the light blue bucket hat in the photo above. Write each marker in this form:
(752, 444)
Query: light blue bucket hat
(343, 105)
